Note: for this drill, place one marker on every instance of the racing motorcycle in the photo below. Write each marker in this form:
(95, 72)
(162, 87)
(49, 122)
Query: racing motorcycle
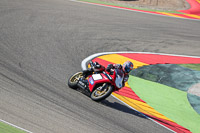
(98, 84)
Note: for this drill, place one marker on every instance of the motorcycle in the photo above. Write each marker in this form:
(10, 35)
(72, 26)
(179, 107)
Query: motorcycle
(98, 84)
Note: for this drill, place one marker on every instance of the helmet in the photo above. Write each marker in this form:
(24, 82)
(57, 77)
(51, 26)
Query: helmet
(127, 66)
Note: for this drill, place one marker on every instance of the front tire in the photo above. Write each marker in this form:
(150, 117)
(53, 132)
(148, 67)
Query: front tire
(73, 80)
(98, 95)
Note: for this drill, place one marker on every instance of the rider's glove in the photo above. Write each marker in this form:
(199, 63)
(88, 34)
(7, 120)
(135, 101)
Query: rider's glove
(110, 66)
(96, 65)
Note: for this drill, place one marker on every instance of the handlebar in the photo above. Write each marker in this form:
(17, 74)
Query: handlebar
(91, 64)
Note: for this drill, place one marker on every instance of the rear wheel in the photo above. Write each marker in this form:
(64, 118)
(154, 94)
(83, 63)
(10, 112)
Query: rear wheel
(99, 95)
(73, 80)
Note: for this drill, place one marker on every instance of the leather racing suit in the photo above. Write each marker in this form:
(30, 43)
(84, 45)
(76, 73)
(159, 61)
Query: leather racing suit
(119, 67)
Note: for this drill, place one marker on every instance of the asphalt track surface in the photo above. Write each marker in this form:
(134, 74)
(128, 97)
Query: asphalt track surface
(44, 41)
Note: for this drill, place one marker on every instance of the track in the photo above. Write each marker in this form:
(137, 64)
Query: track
(44, 41)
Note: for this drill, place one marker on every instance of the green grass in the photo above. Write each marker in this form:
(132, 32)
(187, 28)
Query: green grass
(171, 102)
(191, 66)
(5, 128)
(121, 5)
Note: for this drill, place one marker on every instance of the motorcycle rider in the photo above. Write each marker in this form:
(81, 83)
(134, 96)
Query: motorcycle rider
(125, 69)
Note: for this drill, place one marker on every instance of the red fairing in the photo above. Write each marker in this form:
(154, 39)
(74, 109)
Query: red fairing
(99, 79)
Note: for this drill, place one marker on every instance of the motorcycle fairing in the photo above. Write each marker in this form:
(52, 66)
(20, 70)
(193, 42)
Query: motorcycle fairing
(98, 79)
(82, 84)
(91, 80)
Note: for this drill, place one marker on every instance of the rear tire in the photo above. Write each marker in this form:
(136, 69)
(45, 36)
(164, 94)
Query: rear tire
(73, 80)
(97, 95)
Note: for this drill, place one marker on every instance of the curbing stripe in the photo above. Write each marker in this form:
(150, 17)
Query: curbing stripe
(85, 61)
(171, 14)
(135, 10)
(141, 107)
(192, 15)
(144, 115)
(161, 59)
(119, 59)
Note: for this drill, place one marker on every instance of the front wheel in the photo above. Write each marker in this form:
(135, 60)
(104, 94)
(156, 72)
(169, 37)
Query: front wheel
(99, 95)
(73, 80)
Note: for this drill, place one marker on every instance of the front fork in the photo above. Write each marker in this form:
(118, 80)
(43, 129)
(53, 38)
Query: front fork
(104, 86)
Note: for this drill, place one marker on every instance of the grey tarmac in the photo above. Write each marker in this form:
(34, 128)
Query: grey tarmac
(42, 42)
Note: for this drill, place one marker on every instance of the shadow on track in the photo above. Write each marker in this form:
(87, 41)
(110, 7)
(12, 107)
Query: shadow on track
(122, 108)
(116, 105)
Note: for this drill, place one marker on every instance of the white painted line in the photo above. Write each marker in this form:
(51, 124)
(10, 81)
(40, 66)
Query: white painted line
(84, 67)
(15, 126)
(130, 10)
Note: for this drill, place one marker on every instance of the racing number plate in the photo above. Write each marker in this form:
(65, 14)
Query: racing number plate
(97, 76)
